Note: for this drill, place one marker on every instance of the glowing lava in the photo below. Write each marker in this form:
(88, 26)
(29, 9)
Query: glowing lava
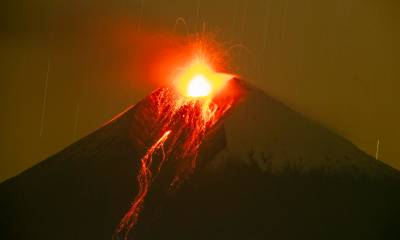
(144, 180)
(181, 115)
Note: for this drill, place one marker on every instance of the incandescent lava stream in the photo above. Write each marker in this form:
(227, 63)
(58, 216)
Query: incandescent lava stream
(183, 114)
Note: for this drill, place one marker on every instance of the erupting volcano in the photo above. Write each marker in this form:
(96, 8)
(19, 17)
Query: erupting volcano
(184, 114)
(207, 156)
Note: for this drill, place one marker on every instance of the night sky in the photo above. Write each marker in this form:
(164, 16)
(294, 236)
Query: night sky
(69, 66)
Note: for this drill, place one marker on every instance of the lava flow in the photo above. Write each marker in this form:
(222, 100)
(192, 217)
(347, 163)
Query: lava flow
(144, 180)
(183, 114)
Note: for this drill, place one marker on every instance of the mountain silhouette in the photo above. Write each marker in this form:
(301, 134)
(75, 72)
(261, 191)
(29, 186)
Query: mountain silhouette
(263, 171)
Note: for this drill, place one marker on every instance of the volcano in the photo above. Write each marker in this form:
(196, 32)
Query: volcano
(249, 168)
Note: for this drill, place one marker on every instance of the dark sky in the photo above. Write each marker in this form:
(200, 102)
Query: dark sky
(337, 62)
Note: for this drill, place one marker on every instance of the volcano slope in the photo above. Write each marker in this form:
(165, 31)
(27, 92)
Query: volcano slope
(262, 172)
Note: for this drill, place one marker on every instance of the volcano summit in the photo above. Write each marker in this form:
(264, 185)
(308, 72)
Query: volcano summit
(237, 166)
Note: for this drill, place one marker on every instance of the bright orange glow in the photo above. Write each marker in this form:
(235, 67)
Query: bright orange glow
(198, 79)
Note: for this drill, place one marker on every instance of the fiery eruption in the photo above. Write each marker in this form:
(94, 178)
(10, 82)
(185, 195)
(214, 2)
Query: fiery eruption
(198, 79)
(183, 114)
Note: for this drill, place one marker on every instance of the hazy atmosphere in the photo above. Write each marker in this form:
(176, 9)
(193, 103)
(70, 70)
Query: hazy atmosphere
(70, 66)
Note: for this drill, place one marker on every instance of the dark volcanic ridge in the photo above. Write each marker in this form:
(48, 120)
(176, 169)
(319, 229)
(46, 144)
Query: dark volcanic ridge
(264, 171)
